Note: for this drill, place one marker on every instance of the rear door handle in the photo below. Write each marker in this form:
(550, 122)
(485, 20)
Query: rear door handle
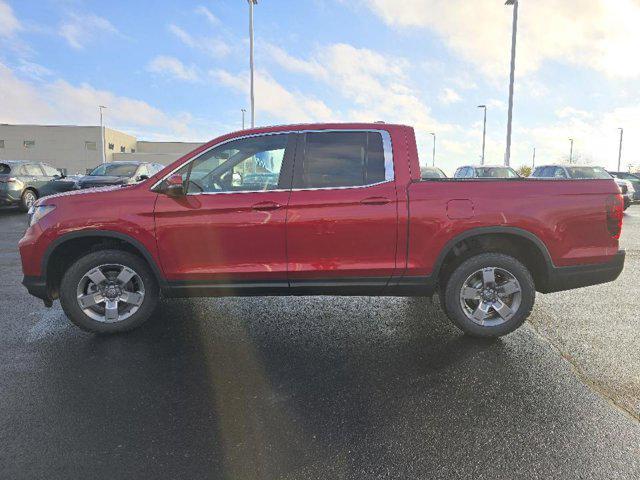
(266, 206)
(375, 201)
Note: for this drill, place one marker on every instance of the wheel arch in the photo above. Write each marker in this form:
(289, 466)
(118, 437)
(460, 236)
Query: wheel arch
(86, 241)
(522, 244)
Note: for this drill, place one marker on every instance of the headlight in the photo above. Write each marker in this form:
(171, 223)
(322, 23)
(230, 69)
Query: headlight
(38, 212)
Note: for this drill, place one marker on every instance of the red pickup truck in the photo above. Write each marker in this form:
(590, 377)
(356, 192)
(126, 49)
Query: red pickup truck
(330, 209)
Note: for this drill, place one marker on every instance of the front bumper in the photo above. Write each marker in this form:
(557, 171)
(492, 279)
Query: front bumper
(36, 286)
(568, 278)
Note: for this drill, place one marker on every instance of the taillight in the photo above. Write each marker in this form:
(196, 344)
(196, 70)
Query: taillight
(8, 179)
(615, 212)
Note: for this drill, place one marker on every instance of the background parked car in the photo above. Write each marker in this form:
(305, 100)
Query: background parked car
(22, 182)
(581, 172)
(627, 190)
(113, 173)
(631, 178)
(584, 172)
(431, 172)
(485, 171)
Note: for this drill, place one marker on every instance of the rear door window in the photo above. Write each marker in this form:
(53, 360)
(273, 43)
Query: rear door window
(342, 159)
(32, 170)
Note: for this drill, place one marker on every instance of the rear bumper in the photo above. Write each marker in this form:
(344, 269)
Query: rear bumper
(9, 197)
(567, 278)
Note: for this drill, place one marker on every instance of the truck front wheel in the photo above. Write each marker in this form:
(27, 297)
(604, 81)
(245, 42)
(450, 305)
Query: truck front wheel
(489, 295)
(109, 291)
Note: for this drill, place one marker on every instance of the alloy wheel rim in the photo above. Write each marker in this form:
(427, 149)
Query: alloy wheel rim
(29, 199)
(491, 296)
(110, 293)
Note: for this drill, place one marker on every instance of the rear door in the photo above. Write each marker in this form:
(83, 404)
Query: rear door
(34, 175)
(342, 218)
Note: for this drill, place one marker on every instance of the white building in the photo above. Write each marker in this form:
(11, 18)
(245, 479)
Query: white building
(79, 148)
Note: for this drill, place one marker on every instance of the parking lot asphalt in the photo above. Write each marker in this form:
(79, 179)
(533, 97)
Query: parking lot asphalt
(306, 388)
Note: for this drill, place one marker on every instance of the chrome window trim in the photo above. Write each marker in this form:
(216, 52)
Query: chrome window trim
(387, 145)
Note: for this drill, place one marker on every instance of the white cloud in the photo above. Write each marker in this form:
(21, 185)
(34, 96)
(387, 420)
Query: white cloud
(211, 46)
(497, 104)
(206, 13)
(294, 64)
(374, 86)
(9, 24)
(275, 101)
(79, 30)
(59, 102)
(596, 137)
(449, 96)
(172, 67)
(600, 34)
(570, 112)
(33, 70)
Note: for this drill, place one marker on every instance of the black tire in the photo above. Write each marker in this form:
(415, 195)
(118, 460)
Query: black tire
(75, 273)
(453, 292)
(27, 199)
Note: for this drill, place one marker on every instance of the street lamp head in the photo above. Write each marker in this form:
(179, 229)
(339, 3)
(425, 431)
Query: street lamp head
(511, 2)
(432, 133)
(255, 2)
(482, 106)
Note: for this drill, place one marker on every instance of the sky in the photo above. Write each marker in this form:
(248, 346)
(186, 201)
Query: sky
(178, 70)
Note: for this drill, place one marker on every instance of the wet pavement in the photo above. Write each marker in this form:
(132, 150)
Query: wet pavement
(306, 388)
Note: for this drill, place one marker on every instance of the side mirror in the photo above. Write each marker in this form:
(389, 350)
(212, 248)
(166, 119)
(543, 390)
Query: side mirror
(142, 178)
(174, 186)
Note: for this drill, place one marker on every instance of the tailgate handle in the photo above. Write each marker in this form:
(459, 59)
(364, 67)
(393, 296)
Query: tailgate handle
(375, 201)
(266, 206)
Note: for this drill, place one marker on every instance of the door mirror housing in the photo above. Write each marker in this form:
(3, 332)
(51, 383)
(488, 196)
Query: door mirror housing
(174, 186)
(142, 178)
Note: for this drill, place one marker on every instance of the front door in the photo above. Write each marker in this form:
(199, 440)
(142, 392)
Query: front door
(229, 228)
(342, 219)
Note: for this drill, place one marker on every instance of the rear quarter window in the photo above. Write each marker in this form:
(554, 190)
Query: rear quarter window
(4, 169)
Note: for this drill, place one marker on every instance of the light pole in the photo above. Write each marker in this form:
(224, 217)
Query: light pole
(514, 35)
(104, 157)
(484, 132)
(253, 106)
(434, 148)
(534, 158)
(620, 149)
(571, 152)
(243, 110)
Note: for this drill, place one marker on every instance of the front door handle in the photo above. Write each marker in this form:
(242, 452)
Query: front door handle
(375, 201)
(266, 206)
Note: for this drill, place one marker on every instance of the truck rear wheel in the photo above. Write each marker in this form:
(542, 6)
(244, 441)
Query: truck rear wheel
(109, 291)
(489, 295)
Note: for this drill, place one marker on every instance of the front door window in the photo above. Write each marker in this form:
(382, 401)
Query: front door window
(245, 165)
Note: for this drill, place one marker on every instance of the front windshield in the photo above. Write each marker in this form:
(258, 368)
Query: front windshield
(588, 173)
(627, 176)
(430, 173)
(496, 172)
(115, 170)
